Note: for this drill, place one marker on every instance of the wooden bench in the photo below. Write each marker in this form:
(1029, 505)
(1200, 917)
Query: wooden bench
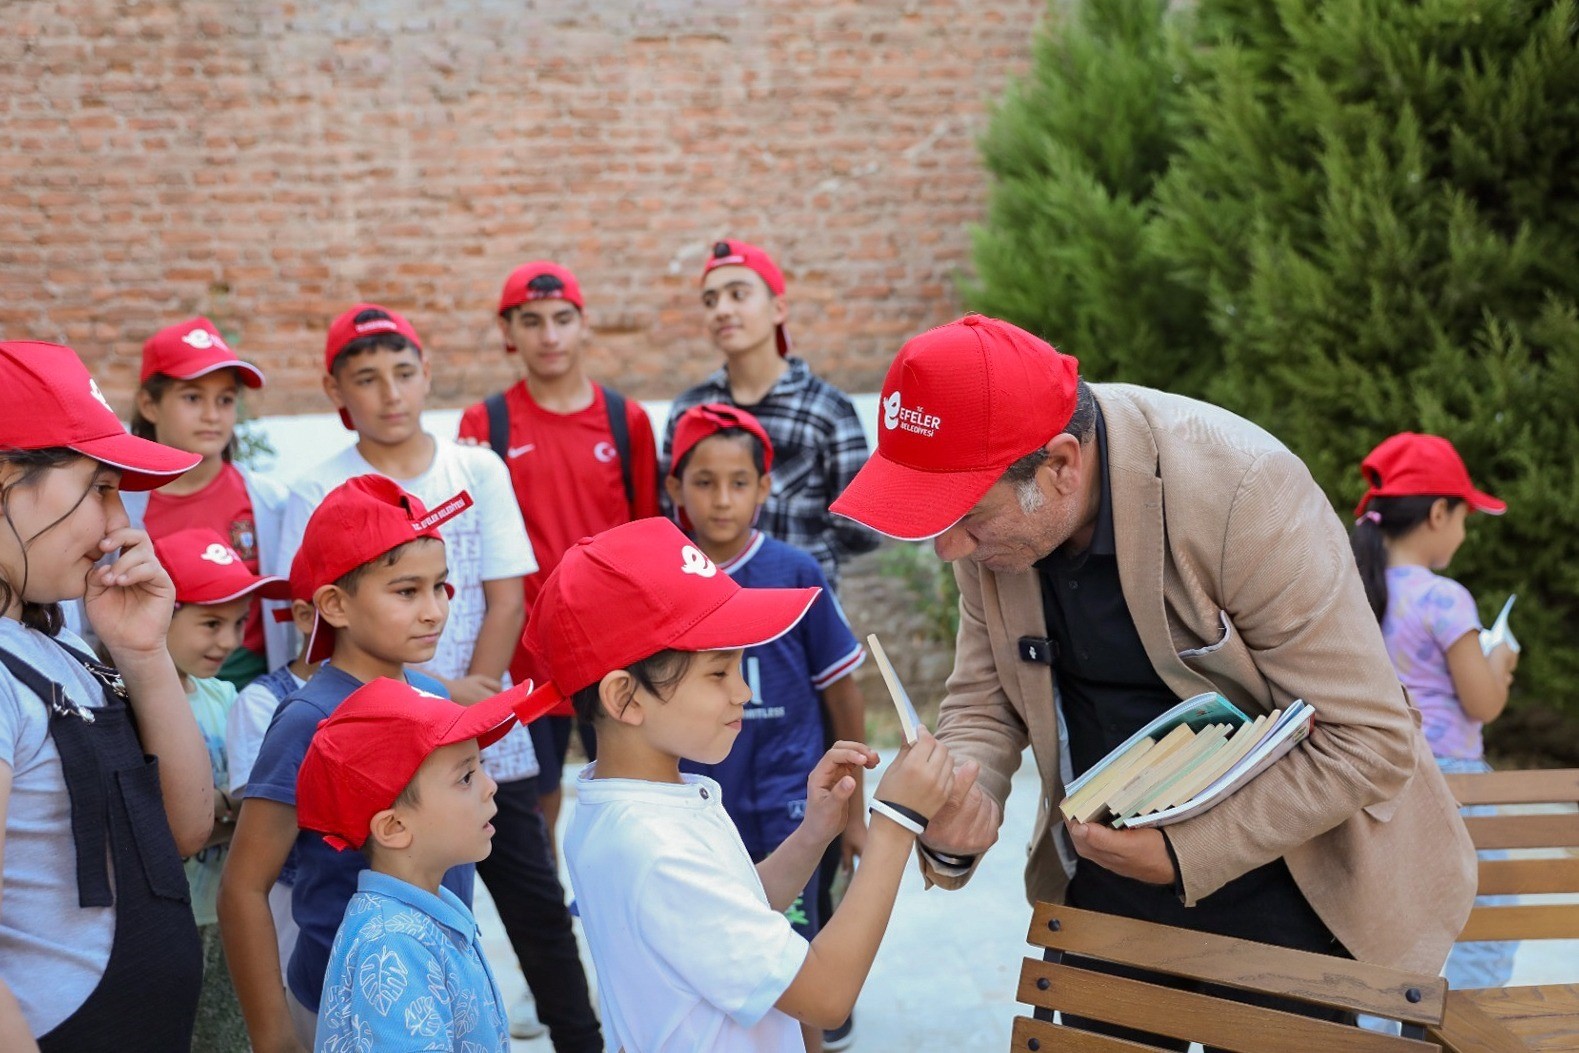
(1050, 983)
(1555, 873)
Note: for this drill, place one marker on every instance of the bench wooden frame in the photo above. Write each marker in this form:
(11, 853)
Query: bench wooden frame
(1202, 1016)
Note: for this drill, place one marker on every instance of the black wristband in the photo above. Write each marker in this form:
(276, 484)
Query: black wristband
(909, 813)
(946, 858)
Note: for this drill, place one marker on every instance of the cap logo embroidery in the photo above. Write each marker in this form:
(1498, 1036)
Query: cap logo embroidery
(376, 325)
(93, 389)
(448, 510)
(201, 340)
(918, 421)
(696, 563)
(218, 554)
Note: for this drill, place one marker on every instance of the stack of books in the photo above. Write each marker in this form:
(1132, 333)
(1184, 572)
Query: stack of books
(1183, 762)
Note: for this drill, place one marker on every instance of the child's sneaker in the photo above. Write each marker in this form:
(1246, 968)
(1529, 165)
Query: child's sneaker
(840, 1037)
(523, 1018)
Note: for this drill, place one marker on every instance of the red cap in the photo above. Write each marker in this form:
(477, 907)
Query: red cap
(344, 329)
(745, 254)
(518, 290)
(710, 418)
(206, 570)
(1413, 465)
(640, 588)
(48, 399)
(194, 349)
(960, 404)
(358, 521)
(369, 749)
(299, 588)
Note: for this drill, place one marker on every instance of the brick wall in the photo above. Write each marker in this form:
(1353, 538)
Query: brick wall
(268, 163)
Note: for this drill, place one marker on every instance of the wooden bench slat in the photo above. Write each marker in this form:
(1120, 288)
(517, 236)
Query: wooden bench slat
(1536, 786)
(1051, 1038)
(1523, 877)
(1469, 1029)
(1242, 964)
(1196, 1017)
(1552, 921)
(1553, 830)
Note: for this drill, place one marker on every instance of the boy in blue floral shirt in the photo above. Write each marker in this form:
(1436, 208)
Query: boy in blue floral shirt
(394, 772)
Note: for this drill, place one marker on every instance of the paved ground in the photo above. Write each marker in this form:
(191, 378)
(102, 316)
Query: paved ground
(946, 974)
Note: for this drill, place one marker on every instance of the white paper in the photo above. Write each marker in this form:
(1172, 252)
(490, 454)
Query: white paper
(1499, 633)
(909, 722)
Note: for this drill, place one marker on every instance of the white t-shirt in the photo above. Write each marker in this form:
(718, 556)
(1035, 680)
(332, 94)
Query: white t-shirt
(245, 725)
(689, 954)
(484, 543)
(52, 951)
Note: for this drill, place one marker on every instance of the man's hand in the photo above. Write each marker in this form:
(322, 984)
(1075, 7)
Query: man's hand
(967, 825)
(1138, 854)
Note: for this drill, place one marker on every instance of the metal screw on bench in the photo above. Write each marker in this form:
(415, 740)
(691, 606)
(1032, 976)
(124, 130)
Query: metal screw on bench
(1034, 1044)
(1413, 994)
(1043, 983)
(1053, 924)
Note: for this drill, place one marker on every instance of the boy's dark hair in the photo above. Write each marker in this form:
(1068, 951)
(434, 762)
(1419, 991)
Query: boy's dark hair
(46, 618)
(658, 674)
(546, 287)
(157, 386)
(1082, 425)
(351, 580)
(1398, 516)
(758, 454)
(381, 341)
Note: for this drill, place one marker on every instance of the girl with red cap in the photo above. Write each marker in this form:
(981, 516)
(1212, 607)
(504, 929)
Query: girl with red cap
(1410, 523)
(189, 398)
(104, 779)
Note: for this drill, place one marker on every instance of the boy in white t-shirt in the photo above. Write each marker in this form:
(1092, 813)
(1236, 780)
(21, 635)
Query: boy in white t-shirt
(645, 636)
(378, 377)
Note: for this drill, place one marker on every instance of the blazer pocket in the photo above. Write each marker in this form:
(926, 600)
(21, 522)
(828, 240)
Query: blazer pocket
(1201, 652)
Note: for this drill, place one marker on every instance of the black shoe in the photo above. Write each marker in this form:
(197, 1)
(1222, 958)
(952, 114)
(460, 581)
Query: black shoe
(840, 1037)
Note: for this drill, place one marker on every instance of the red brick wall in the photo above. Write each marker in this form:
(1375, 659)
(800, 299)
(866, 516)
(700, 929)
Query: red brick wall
(268, 163)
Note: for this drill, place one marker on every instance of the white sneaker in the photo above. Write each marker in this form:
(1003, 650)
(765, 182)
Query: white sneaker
(523, 1019)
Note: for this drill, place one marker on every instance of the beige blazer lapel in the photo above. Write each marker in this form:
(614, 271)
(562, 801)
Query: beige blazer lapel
(1020, 605)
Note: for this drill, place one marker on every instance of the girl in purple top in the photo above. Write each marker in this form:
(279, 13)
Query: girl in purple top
(1411, 522)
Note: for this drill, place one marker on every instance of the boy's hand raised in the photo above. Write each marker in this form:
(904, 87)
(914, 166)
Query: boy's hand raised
(920, 778)
(830, 787)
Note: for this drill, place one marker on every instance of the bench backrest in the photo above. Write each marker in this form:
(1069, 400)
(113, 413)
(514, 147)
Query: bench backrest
(1555, 872)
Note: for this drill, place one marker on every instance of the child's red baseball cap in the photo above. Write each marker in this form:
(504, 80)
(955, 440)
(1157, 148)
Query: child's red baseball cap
(637, 589)
(369, 749)
(193, 349)
(518, 287)
(206, 570)
(299, 588)
(710, 418)
(960, 404)
(744, 254)
(358, 521)
(47, 399)
(1410, 464)
(345, 329)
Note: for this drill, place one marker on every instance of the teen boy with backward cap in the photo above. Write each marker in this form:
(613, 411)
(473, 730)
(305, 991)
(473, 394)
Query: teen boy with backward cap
(1128, 548)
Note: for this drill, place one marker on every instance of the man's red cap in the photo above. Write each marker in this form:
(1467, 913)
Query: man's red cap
(47, 399)
(518, 287)
(1410, 464)
(193, 349)
(369, 749)
(637, 589)
(960, 404)
(345, 329)
(206, 570)
(744, 254)
(358, 521)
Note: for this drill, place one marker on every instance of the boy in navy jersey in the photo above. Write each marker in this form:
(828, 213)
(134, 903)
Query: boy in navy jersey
(718, 483)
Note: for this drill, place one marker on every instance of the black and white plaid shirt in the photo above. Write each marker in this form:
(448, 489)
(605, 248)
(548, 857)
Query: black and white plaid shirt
(818, 446)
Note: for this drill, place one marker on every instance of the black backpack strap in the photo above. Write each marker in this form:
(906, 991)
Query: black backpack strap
(498, 424)
(619, 428)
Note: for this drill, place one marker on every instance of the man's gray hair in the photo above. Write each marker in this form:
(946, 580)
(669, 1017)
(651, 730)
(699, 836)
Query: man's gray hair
(1022, 473)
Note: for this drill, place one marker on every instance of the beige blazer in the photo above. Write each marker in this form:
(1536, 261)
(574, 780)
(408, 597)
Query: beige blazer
(1240, 580)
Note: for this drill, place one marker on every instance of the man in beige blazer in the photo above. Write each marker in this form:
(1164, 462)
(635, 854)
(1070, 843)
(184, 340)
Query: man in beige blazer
(1128, 548)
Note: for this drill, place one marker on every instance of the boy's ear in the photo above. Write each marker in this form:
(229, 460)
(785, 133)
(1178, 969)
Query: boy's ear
(617, 697)
(504, 331)
(388, 830)
(764, 488)
(671, 485)
(780, 309)
(331, 388)
(302, 614)
(330, 601)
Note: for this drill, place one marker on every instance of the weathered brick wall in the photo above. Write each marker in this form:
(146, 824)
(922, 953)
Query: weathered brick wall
(268, 163)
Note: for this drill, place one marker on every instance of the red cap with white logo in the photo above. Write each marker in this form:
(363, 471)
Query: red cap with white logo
(346, 329)
(47, 399)
(638, 589)
(360, 520)
(540, 280)
(206, 570)
(369, 749)
(194, 349)
(744, 254)
(960, 404)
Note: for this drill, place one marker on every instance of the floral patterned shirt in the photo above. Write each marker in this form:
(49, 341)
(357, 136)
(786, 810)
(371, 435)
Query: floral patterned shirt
(407, 972)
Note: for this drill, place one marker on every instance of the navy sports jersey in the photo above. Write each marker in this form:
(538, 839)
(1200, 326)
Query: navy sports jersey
(780, 741)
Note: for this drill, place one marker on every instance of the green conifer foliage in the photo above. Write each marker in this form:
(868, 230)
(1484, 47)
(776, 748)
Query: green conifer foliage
(1356, 217)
